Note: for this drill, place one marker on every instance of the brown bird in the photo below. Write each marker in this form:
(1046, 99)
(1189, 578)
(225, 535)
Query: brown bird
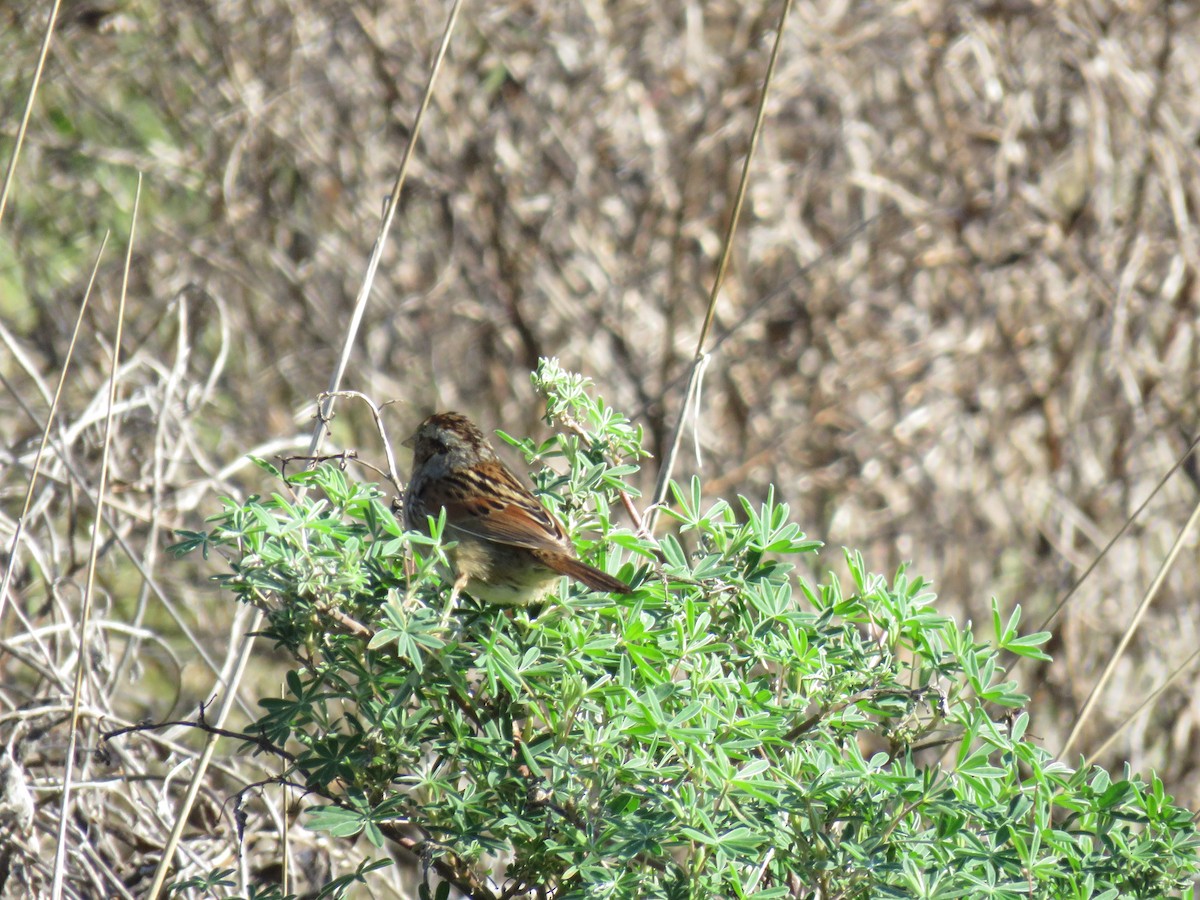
(510, 549)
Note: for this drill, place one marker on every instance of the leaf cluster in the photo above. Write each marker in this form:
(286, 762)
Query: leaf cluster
(731, 729)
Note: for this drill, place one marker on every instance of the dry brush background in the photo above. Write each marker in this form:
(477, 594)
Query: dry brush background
(960, 328)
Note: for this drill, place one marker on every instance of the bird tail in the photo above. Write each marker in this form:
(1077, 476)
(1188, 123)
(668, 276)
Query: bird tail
(589, 575)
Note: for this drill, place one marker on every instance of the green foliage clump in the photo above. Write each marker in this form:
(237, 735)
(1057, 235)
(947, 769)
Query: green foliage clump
(731, 729)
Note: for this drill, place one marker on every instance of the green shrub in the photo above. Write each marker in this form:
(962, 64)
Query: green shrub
(729, 730)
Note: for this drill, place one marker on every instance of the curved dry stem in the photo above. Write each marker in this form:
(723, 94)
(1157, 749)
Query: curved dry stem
(15, 546)
(376, 413)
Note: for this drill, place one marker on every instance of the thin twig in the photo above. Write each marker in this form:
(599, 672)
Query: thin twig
(664, 476)
(1058, 607)
(15, 545)
(376, 413)
(37, 78)
(81, 663)
(231, 677)
(364, 293)
(1144, 705)
(162, 455)
(257, 740)
(1151, 593)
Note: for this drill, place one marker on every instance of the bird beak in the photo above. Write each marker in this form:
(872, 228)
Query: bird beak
(410, 442)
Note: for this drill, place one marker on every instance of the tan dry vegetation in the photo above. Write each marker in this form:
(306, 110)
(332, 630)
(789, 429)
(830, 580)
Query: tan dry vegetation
(960, 326)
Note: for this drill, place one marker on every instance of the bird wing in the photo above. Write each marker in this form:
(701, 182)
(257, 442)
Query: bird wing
(494, 506)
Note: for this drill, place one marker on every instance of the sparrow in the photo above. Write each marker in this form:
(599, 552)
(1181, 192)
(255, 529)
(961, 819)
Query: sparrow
(510, 549)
